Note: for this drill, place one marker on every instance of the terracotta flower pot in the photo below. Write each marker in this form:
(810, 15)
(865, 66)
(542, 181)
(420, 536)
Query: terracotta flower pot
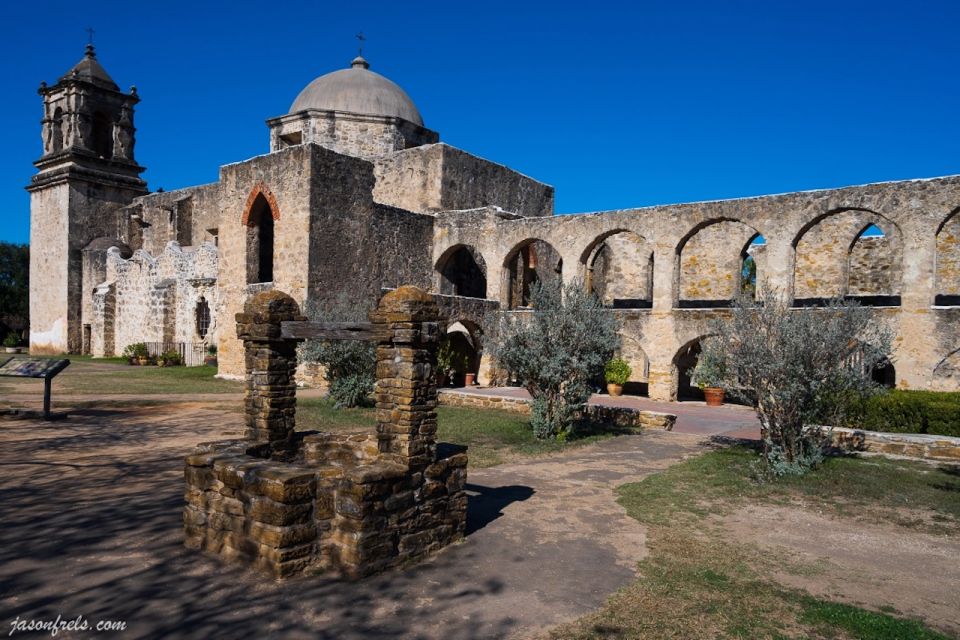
(713, 396)
(470, 379)
(143, 361)
(614, 389)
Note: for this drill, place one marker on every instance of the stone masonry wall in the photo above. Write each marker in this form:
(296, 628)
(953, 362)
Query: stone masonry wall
(147, 299)
(870, 267)
(438, 177)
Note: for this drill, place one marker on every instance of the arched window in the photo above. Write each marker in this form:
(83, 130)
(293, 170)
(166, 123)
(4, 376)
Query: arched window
(202, 314)
(618, 269)
(749, 267)
(463, 273)
(532, 261)
(260, 241)
(102, 135)
(709, 267)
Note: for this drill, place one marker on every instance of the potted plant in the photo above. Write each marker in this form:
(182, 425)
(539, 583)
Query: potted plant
(137, 354)
(470, 379)
(10, 343)
(708, 374)
(211, 358)
(444, 362)
(616, 372)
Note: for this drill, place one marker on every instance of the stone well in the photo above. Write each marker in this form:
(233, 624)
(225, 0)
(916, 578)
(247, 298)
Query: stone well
(288, 502)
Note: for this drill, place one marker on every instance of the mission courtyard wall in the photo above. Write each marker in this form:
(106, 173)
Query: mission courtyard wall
(910, 214)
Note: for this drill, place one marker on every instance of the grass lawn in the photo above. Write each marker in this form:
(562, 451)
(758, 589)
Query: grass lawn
(86, 376)
(698, 584)
(493, 436)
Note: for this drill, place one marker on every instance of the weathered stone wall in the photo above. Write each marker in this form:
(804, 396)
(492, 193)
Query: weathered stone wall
(64, 218)
(438, 177)
(187, 216)
(154, 299)
(870, 267)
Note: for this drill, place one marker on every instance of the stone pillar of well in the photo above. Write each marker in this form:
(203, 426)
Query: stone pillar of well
(407, 328)
(271, 361)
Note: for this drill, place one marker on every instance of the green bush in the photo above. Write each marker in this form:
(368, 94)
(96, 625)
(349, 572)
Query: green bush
(930, 412)
(617, 371)
(11, 340)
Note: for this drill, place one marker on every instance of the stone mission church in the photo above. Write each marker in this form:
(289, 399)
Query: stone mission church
(356, 194)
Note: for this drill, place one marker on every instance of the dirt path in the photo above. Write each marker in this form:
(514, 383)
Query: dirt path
(866, 564)
(91, 512)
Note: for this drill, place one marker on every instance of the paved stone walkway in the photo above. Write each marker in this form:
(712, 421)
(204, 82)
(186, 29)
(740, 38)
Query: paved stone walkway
(91, 526)
(730, 420)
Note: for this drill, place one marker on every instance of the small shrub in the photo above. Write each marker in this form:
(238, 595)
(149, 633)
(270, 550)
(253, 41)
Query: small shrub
(556, 351)
(798, 369)
(617, 371)
(171, 358)
(349, 365)
(11, 340)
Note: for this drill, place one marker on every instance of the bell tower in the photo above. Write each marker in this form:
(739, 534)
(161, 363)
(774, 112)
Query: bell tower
(86, 174)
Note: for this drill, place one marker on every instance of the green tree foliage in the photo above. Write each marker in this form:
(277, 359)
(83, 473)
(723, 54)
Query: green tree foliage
(14, 287)
(799, 369)
(349, 365)
(556, 351)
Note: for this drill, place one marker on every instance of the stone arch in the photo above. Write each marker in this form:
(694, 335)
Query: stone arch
(102, 144)
(835, 256)
(462, 271)
(259, 216)
(753, 267)
(618, 267)
(530, 261)
(465, 339)
(947, 265)
(259, 189)
(684, 360)
(632, 351)
(707, 271)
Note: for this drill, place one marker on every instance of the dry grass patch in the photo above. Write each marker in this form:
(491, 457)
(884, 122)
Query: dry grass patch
(697, 582)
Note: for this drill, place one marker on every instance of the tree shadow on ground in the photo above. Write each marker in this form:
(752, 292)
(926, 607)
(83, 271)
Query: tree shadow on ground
(92, 526)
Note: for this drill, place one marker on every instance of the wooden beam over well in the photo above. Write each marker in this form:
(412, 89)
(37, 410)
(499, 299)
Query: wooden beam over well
(327, 330)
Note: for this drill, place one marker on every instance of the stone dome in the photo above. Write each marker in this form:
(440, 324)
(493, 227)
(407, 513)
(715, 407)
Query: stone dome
(357, 90)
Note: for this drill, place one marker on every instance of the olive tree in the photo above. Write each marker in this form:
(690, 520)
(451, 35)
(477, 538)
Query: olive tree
(800, 369)
(555, 351)
(349, 365)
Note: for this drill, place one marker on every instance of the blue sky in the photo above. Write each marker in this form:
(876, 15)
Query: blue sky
(616, 105)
